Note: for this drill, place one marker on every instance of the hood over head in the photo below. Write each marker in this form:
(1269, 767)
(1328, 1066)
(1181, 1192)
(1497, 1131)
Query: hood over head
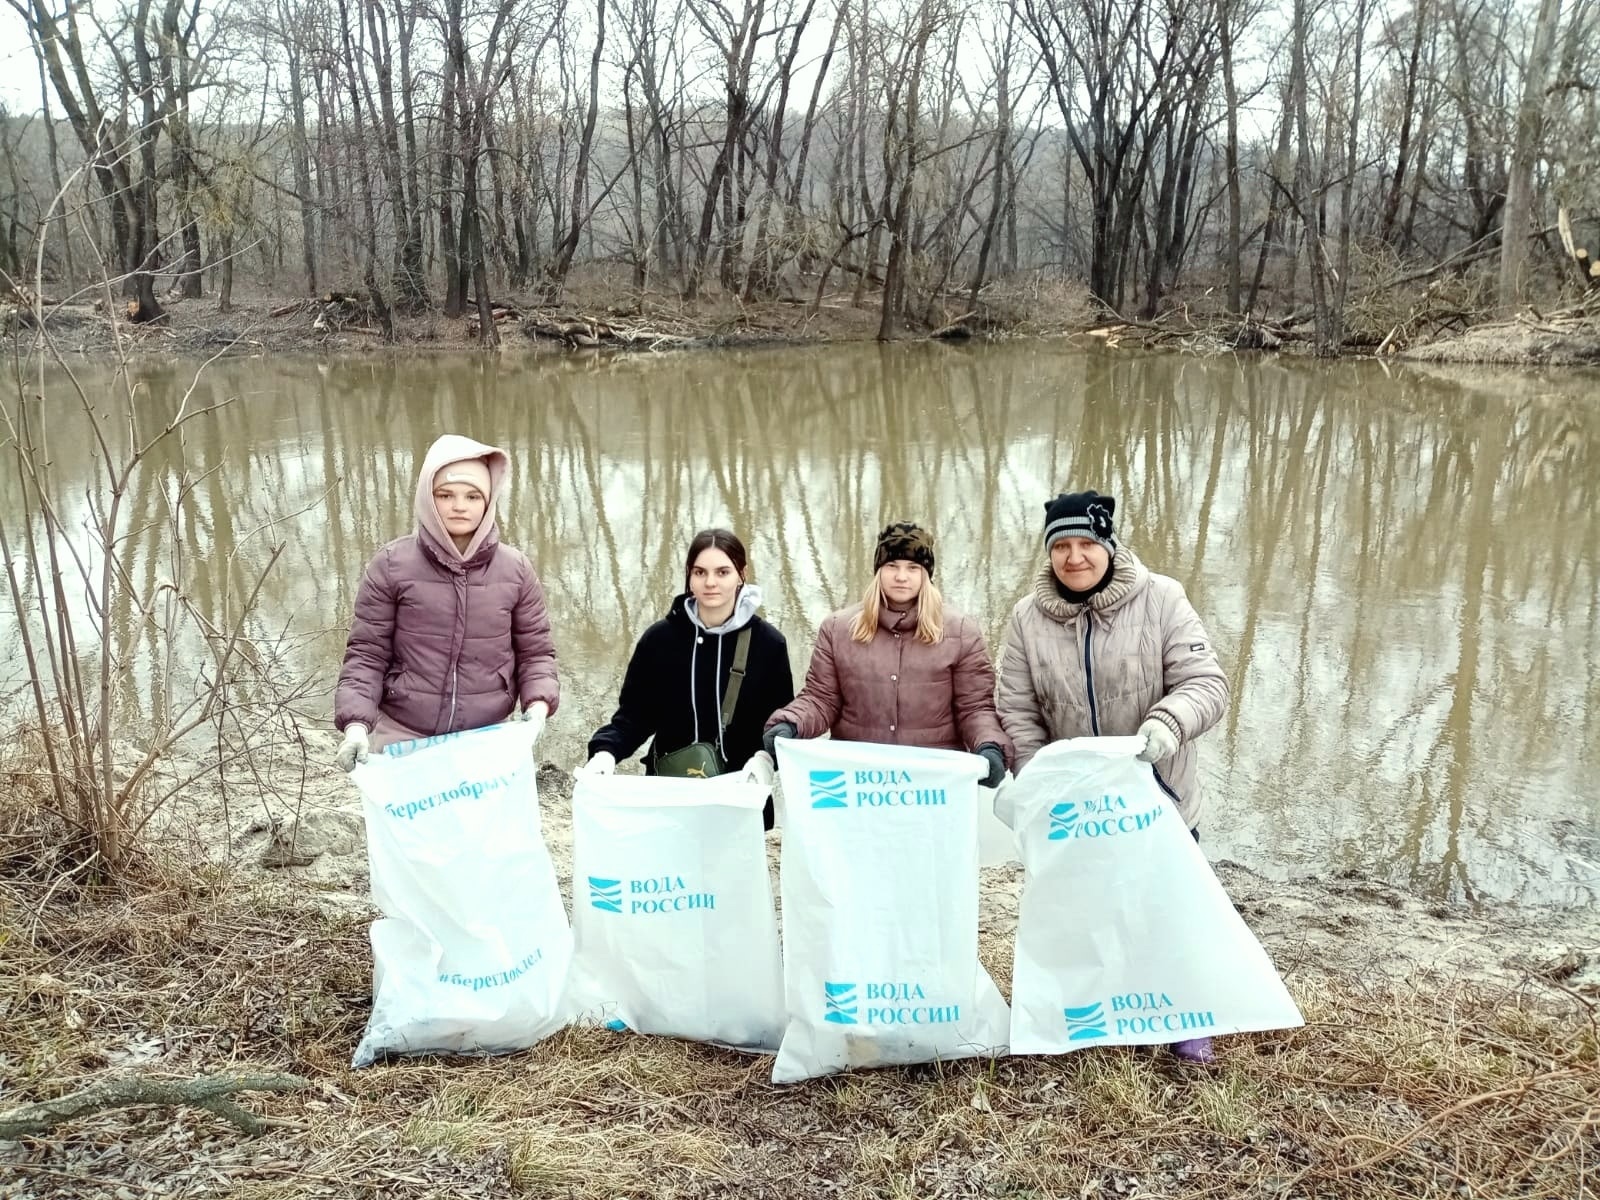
(478, 463)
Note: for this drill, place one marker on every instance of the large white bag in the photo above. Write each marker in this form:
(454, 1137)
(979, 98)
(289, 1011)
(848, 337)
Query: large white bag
(880, 909)
(672, 909)
(1125, 937)
(471, 954)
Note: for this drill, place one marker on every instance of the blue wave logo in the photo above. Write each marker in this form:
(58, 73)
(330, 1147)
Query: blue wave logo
(1086, 1022)
(828, 789)
(841, 1006)
(605, 894)
(1063, 818)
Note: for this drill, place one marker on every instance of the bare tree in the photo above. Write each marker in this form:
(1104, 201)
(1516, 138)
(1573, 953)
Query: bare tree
(375, 290)
(121, 148)
(1524, 149)
(568, 246)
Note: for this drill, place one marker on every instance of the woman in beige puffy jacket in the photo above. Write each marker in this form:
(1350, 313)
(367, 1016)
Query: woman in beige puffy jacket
(1102, 646)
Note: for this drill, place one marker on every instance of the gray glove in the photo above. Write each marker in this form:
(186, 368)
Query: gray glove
(1159, 741)
(355, 747)
(769, 739)
(995, 757)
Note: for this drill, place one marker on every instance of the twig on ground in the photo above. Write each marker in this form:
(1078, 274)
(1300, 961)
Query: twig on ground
(210, 1092)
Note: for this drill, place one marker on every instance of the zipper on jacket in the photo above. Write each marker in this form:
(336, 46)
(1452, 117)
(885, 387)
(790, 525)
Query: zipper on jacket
(1088, 675)
(455, 666)
(1165, 786)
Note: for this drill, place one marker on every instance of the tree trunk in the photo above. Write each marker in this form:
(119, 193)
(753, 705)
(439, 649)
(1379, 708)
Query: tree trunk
(557, 273)
(455, 292)
(762, 273)
(1307, 190)
(412, 257)
(794, 218)
(894, 270)
(1281, 179)
(1002, 155)
(1230, 94)
(225, 288)
(300, 156)
(380, 305)
(1397, 180)
(1352, 166)
(1524, 150)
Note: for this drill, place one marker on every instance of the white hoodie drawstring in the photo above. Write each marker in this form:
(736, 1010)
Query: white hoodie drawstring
(701, 632)
(718, 677)
(694, 699)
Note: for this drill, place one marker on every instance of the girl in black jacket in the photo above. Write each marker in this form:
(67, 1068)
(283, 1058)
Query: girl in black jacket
(676, 680)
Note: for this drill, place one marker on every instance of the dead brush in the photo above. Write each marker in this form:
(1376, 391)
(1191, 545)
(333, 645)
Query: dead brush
(1398, 310)
(1035, 302)
(100, 570)
(37, 844)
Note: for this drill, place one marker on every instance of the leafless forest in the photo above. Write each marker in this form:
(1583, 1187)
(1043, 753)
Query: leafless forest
(914, 155)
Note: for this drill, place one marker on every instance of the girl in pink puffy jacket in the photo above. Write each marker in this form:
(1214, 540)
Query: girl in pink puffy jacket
(450, 629)
(900, 667)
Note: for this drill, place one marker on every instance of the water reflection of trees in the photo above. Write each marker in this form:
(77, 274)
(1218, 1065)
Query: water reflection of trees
(1399, 569)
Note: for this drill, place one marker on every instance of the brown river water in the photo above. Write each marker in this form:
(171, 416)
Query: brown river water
(1400, 566)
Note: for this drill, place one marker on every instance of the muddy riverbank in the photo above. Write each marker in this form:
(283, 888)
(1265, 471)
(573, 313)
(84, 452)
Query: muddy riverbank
(609, 322)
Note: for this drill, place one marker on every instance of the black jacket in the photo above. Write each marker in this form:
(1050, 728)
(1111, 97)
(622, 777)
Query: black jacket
(659, 701)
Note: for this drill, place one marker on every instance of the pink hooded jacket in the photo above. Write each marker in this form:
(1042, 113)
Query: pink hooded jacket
(444, 640)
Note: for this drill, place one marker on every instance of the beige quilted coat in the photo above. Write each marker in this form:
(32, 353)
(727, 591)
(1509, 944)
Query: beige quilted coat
(1135, 650)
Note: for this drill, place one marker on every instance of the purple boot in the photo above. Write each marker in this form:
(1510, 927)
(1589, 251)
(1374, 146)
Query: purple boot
(1195, 1050)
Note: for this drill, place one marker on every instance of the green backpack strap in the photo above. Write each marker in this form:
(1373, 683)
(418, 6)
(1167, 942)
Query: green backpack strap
(741, 656)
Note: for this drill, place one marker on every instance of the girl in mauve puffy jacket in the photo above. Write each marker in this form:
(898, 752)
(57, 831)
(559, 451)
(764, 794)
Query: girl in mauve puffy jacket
(900, 667)
(450, 629)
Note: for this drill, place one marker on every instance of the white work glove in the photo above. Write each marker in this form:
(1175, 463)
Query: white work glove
(603, 763)
(535, 715)
(1159, 741)
(355, 747)
(760, 769)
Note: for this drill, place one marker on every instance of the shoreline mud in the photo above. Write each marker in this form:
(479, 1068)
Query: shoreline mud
(275, 325)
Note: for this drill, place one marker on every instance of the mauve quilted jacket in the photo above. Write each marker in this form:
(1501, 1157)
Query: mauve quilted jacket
(441, 640)
(896, 689)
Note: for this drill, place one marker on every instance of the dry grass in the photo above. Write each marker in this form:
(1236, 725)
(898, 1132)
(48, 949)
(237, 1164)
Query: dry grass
(1432, 1092)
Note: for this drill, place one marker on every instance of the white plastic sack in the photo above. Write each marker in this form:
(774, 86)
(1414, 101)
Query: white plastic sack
(672, 909)
(997, 847)
(1125, 937)
(880, 909)
(471, 954)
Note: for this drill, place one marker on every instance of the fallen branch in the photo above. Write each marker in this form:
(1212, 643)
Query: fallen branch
(587, 333)
(210, 1092)
(1467, 254)
(502, 315)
